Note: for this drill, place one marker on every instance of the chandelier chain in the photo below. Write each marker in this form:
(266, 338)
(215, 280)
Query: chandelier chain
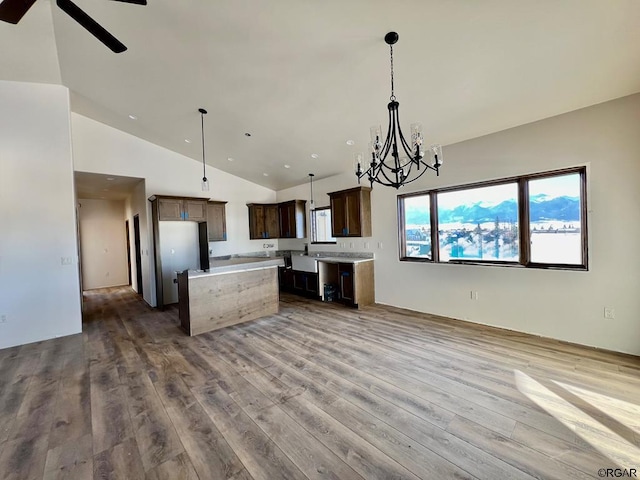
(393, 97)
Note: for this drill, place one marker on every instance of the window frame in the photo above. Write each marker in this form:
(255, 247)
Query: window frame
(524, 233)
(314, 228)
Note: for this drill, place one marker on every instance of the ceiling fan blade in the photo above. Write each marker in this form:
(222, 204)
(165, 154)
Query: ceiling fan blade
(11, 11)
(91, 25)
(137, 2)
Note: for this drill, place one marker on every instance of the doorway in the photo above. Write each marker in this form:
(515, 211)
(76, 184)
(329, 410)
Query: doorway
(128, 240)
(136, 241)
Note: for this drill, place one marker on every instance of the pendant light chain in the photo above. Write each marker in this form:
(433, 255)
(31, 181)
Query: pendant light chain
(205, 181)
(204, 171)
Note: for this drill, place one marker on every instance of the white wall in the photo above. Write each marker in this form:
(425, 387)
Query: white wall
(566, 305)
(136, 204)
(103, 244)
(99, 148)
(38, 294)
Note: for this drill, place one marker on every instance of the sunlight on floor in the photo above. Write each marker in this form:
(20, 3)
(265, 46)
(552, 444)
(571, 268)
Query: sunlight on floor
(607, 424)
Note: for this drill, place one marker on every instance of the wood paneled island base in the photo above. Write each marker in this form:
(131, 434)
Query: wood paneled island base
(210, 301)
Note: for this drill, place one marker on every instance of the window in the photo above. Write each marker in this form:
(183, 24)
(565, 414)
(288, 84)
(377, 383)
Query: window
(555, 219)
(417, 232)
(321, 226)
(479, 223)
(532, 221)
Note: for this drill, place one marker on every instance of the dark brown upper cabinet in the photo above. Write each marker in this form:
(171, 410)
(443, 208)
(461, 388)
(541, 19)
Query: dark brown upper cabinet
(181, 208)
(264, 220)
(293, 219)
(216, 221)
(351, 212)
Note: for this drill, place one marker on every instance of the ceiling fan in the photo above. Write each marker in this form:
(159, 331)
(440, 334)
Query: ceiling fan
(11, 11)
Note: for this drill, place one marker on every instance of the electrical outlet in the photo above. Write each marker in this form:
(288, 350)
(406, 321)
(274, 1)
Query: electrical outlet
(65, 260)
(3, 318)
(380, 245)
(350, 244)
(473, 295)
(609, 313)
(366, 245)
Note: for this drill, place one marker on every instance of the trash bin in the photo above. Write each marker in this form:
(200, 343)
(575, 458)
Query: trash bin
(330, 292)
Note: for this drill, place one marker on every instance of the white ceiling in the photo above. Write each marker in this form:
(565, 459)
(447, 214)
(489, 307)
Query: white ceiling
(106, 187)
(304, 76)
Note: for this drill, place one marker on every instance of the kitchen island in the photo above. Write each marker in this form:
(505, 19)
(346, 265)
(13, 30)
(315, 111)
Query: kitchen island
(232, 291)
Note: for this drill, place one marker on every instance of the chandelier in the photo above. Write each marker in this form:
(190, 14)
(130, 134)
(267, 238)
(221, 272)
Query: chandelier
(395, 162)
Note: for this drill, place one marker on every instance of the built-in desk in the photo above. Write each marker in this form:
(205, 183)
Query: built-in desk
(230, 292)
(352, 276)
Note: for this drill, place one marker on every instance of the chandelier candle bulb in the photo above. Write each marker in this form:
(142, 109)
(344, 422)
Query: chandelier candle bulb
(436, 156)
(376, 136)
(357, 162)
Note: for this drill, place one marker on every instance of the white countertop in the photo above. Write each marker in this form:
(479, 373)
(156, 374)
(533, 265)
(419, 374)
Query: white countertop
(237, 265)
(342, 259)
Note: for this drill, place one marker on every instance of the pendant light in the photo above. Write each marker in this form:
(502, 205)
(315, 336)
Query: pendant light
(205, 181)
(311, 206)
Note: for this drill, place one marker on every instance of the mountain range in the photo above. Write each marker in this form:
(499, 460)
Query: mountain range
(541, 208)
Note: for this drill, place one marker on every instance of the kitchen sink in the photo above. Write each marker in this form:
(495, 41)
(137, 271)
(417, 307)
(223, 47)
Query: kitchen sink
(304, 263)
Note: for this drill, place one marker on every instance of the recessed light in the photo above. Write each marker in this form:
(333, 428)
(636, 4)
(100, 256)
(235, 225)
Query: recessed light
(247, 134)
(265, 174)
(230, 159)
(314, 155)
(110, 179)
(350, 142)
(287, 166)
(187, 140)
(133, 117)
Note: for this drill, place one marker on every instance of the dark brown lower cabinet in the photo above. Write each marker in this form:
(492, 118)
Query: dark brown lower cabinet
(285, 276)
(345, 273)
(301, 283)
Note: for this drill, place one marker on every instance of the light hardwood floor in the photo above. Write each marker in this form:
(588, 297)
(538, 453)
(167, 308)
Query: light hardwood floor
(317, 391)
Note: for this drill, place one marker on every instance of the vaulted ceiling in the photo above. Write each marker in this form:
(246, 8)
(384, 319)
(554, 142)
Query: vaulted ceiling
(303, 76)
